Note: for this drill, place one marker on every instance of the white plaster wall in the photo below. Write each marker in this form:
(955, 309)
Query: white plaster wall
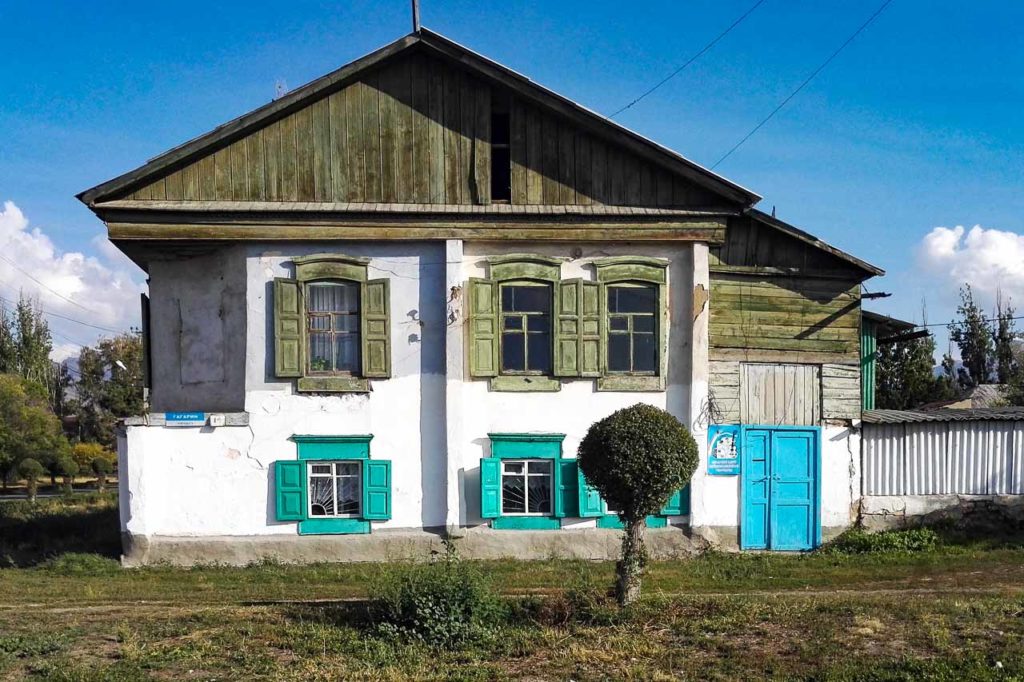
(188, 481)
(578, 404)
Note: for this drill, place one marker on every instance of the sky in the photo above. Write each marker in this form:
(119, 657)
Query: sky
(906, 151)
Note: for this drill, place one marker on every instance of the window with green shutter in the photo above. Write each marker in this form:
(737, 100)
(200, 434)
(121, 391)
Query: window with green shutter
(332, 327)
(591, 505)
(526, 484)
(333, 487)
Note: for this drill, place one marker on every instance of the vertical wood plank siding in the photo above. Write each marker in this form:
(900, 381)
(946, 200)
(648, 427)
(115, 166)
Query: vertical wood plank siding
(417, 130)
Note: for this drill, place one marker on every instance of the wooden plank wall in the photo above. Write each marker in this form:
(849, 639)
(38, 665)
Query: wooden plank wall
(417, 130)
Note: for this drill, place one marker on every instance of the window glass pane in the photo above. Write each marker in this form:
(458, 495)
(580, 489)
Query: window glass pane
(321, 468)
(513, 352)
(618, 323)
(347, 352)
(539, 467)
(631, 299)
(347, 468)
(513, 494)
(320, 352)
(645, 355)
(514, 467)
(539, 352)
(349, 494)
(321, 496)
(643, 323)
(514, 322)
(538, 323)
(618, 352)
(320, 322)
(532, 299)
(539, 494)
(346, 323)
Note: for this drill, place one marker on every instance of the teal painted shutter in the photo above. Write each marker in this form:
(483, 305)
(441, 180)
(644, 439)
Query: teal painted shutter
(567, 327)
(483, 328)
(287, 328)
(377, 489)
(566, 475)
(290, 490)
(490, 488)
(590, 329)
(678, 504)
(590, 502)
(376, 329)
(147, 361)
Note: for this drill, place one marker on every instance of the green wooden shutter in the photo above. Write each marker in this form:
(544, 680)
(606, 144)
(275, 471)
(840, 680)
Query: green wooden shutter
(566, 475)
(590, 329)
(490, 488)
(147, 360)
(376, 328)
(287, 328)
(290, 490)
(377, 489)
(678, 504)
(590, 501)
(483, 328)
(567, 327)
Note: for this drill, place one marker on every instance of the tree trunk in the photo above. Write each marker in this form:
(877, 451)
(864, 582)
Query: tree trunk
(101, 483)
(630, 568)
(32, 485)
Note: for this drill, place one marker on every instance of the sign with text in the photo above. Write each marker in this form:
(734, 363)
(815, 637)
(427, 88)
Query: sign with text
(724, 450)
(185, 418)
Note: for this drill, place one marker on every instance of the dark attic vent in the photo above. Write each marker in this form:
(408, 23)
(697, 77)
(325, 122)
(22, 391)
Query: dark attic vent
(501, 156)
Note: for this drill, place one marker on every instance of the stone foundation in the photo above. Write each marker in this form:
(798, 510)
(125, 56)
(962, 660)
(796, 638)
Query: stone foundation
(993, 514)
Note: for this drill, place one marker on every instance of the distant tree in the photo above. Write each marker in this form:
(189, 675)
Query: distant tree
(109, 387)
(102, 468)
(30, 470)
(636, 458)
(1004, 336)
(86, 453)
(973, 336)
(906, 376)
(68, 470)
(28, 428)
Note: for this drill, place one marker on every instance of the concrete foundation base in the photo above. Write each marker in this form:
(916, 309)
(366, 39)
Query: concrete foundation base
(384, 545)
(995, 513)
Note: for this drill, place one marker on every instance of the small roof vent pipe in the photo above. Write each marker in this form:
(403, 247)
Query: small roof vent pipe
(415, 16)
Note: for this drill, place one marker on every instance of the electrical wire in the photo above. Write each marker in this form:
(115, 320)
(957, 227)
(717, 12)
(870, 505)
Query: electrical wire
(692, 59)
(69, 319)
(807, 80)
(55, 293)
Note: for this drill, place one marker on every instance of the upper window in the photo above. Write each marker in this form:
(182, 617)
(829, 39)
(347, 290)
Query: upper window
(331, 324)
(632, 328)
(526, 328)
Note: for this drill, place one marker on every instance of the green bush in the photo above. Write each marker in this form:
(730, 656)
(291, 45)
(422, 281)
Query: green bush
(445, 603)
(80, 563)
(858, 541)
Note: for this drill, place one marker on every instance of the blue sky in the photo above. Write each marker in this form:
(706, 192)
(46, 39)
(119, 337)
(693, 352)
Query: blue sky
(916, 125)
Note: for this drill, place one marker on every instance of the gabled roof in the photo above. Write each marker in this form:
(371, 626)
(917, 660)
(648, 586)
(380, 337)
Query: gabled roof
(438, 46)
(808, 238)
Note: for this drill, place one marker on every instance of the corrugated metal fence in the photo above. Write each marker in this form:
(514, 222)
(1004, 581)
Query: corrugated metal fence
(940, 458)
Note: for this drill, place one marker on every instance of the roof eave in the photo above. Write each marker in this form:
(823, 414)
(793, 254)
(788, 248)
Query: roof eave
(796, 232)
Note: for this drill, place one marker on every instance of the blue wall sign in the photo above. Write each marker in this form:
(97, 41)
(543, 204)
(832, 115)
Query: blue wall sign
(724, 450)
(185, 418)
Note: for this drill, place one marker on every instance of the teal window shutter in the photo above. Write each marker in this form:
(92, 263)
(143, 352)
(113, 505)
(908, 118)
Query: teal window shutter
(377, 489)
(566, 475)
(678, 504)
(490, 488)
(590, 502)
(290, 490)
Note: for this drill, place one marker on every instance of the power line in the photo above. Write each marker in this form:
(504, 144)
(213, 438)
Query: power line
(69, 319)
(692, 59)
(55, 293)
(984, 319)
(807, 80)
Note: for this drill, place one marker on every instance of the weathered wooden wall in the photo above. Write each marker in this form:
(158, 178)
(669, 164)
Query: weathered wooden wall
(417, 130)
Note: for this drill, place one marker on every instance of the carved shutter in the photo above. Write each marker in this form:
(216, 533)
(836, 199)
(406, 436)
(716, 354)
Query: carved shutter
(567, 327)
(483, 328)
(376, 328)
(290, 490)
(287, 328)
(490, 488)
(147, 360)
(377, 489)
(590, 500)
(590, 329)
(566, 483)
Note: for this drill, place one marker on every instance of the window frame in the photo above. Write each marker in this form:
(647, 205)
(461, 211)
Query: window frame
(629, 332)
(307, 315)
(526, 461)
(502, 313)
(310, 463)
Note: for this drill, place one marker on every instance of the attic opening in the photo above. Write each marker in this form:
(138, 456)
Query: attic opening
(501, 155)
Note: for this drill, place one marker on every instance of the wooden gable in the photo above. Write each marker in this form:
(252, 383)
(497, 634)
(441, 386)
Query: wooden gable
(415, 127)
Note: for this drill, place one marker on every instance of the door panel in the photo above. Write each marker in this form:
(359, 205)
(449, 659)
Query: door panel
(793, 471)
(756, 478)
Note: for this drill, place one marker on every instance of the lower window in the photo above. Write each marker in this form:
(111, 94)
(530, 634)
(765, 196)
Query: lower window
(526, 487)
(335, 489)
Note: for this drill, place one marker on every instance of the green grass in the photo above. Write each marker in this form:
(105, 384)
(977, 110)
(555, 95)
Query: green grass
(896, 609)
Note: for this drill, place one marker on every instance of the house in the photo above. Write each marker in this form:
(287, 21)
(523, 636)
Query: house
(392, 301)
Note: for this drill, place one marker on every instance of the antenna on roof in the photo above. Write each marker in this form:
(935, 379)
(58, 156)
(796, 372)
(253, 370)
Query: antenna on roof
(415, 16)
(773, 210)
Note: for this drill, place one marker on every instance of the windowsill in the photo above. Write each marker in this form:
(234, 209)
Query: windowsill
(525, 383)
(334, 526)
(526, 523)
(631, 382)
(340, 384)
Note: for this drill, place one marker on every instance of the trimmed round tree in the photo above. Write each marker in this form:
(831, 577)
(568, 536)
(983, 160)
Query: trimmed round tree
(102, 468)
(30, 470)
(636, 458)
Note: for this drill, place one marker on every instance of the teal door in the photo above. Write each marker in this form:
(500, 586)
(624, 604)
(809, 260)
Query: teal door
(780, 491)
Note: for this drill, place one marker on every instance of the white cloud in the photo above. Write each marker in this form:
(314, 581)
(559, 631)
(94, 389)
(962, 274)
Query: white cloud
(103, 292)
(987, 259)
